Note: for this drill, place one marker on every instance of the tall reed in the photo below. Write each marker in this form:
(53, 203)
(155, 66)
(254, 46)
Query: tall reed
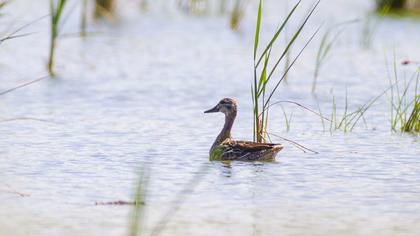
(56, 11)
(261, 96)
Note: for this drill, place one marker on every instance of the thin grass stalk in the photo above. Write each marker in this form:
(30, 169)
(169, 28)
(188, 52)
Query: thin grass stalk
(255, 90)
(56, 13)
(83, 21)
(137, 215)
(320, 112)
(288, 69)
(237, 14)
(14, 34)
(276, 35)
(222, 7)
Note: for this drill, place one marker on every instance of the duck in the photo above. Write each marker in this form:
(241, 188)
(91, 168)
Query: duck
(224, 148)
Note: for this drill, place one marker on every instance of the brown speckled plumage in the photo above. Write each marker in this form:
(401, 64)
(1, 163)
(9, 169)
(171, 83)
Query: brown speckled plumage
(226, 149)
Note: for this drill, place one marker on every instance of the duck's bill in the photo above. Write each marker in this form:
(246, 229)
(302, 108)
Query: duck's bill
(214, 109)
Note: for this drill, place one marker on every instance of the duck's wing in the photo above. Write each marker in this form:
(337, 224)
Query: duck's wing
(249, 151)
(253, 146)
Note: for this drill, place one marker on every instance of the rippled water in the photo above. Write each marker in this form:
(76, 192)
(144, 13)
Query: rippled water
(134, 94)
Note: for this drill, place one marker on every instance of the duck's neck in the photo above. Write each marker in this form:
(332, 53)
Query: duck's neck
(225, 133)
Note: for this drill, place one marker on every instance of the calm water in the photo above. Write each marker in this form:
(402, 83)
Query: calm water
(134, 94)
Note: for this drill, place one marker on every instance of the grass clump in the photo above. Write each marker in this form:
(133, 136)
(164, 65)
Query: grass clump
(261, 93)
(405, 104)
(56, 12)
(350, 118)
(413, 122)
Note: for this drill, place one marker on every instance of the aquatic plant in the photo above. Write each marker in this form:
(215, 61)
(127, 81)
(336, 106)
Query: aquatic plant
(23, 85)
(405, 109)
(144, 5)
(222, 6)
(2, 5)
(261, 97)
(394, 4)
(15, 33)
(56, 11)
(413, 122)
(237, 14)
(83, 21)
(287, 118)
(328, 39)
(198, 7)
(371, 24)
(104, 8)
(137, 215)
(350, 118)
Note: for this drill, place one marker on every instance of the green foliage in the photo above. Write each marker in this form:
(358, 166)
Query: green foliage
(413, 122)
(137, 215)
(395, 4)
(263, 74)
(350, 118)
(370, 25)
(56, 11)
(2, 5)
(237, 14)
(327, 41)
(405, 109)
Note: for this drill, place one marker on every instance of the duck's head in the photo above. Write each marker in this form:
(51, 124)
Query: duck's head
(228, 106)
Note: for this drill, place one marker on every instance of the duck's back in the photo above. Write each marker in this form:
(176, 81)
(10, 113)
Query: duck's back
(246, 151)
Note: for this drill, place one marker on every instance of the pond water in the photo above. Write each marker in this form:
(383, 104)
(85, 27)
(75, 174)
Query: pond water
(133, 95)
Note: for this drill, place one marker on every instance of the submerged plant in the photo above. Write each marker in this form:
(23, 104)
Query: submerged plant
(261, 96)
(56, 11)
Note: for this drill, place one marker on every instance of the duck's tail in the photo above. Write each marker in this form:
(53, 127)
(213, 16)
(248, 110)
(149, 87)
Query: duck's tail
(277, 148)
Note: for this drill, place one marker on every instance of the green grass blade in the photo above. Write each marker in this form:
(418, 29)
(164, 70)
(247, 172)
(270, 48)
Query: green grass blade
(276, 35)
(290, 66)
(257, 30)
